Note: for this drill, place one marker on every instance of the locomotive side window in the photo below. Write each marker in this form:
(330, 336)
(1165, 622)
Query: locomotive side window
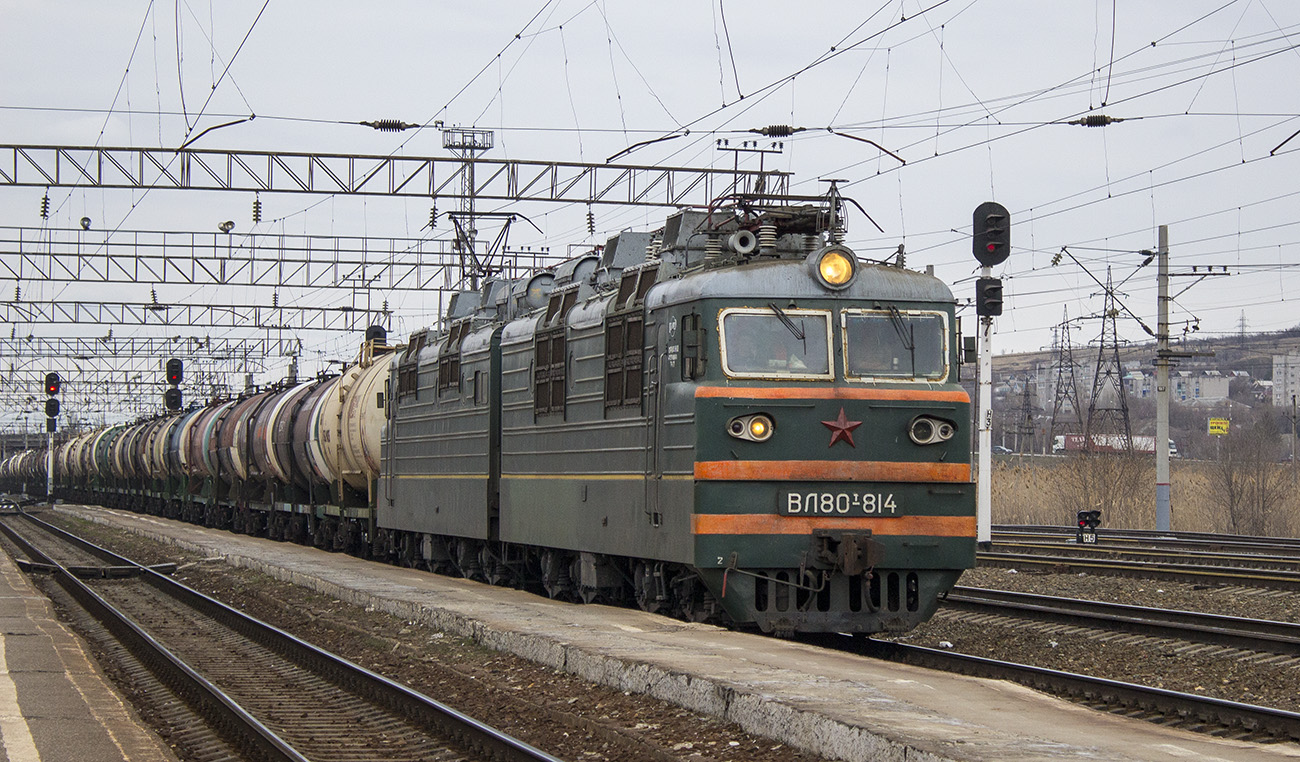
(549, 371)
(775, 342)
(449, 358)
(408, 369)
(895, 344)
(693, 346)
(624, 342)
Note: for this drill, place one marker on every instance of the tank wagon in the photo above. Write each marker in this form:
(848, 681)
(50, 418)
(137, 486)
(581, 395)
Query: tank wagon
(731, 419)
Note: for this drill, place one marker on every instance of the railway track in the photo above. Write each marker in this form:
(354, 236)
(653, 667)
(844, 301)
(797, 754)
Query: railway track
(1279, 642)
(1288, 547)
(259, 692)
(1190, 711)
(1184, 710)
(1235, 632)
(1205, 568)
(1188, 557)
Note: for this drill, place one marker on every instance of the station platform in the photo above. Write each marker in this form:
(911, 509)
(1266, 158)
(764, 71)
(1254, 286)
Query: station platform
(836, 705)
(55, 704)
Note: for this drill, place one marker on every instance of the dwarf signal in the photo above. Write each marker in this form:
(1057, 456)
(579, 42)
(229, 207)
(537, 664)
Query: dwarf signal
(1088, 522)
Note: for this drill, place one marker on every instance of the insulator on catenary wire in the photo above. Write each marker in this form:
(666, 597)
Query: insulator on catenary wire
(45, 207)
(778, 130)
(1096, 120)
(389, 125)
(433, 216)
(257, 209)
(591, 222)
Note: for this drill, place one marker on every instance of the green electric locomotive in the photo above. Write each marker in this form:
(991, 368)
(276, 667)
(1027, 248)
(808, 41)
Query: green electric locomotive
(729, 419)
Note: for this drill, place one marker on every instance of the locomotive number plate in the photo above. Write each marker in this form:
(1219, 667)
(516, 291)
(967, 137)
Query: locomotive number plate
(838, 504)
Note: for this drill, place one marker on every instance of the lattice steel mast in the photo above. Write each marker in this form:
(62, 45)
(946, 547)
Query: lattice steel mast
(1108, 405)
(1066, 382)
(1025, 422)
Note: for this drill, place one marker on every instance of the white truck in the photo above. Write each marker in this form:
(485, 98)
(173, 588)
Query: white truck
(1064, 443)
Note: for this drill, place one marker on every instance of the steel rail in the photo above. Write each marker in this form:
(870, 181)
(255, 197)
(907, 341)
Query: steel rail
(421, 708)
(240, 728)
(1190, 557)
(1185, 707)
(1209, 540)
(1123, 541)
(1194, 573)
(1238, 632)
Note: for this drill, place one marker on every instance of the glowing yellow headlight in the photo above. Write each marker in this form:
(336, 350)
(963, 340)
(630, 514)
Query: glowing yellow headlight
(755, 427)
(835, 268)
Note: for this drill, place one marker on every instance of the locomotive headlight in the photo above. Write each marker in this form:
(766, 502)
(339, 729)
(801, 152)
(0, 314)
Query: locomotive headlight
(925, 430)
(752, 428)
(834, 266)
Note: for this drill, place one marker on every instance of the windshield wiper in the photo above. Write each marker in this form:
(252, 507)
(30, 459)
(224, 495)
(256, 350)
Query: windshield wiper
(906, 334)
(796, 330)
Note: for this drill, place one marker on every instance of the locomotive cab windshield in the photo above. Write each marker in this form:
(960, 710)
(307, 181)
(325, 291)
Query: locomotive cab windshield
(892, 344)
(767, 343)
(794, 344)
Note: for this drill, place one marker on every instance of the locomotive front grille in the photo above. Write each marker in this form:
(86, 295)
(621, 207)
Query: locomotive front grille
(892, 592)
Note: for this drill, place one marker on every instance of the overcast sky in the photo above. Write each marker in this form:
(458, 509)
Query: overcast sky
(971, 94)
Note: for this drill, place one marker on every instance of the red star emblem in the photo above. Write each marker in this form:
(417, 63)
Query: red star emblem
(841, 428)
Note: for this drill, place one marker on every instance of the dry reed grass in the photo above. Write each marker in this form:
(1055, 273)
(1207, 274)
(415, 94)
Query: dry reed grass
(1030, 489)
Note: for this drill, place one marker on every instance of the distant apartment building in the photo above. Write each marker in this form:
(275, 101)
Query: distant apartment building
(1184, 385)
(1286, 378)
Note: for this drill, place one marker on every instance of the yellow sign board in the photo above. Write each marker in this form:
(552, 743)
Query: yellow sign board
(1217, 427)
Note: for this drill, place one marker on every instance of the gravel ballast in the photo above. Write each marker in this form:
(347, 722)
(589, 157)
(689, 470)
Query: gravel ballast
(1208, 670)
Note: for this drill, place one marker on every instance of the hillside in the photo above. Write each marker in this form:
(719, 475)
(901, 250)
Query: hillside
(1252, 352)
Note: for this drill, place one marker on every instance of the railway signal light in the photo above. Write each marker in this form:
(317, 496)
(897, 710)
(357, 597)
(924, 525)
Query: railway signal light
(53, 384)
(988, 296)
(1087, 532)
(991, 237)
(175, 371)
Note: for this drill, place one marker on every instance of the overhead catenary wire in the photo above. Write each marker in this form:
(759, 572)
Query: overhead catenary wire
(1111, 70)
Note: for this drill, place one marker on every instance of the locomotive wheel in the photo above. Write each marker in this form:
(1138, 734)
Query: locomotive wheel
(555, 575)
(649, 595)
(465, 555)
(406, 550)
(495, 571)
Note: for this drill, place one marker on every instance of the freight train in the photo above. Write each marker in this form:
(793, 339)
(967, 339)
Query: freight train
(732, 419)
